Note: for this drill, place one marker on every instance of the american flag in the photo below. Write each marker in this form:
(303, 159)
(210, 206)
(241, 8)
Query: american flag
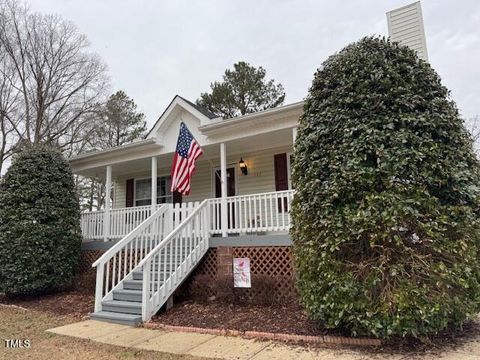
(188, 150)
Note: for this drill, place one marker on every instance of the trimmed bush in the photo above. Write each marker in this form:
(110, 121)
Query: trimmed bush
(39, 223)
(385, 218)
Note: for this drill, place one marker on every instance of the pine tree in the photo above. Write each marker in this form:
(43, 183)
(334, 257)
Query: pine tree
(244, 90)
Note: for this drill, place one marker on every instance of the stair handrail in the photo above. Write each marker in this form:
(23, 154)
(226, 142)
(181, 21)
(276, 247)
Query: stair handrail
(172, 233)
(154, 294)
(120, 244)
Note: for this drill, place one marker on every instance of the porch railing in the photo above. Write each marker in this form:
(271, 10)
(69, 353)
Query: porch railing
(125, 255)
(246, 214)
(122, 221)
(173, 259)
(253, 214)
(91, 223)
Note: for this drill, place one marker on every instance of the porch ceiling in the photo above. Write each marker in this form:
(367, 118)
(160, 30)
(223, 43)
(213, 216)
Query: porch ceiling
(248, 144)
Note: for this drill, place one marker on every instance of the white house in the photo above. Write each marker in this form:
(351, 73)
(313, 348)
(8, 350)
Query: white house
(238, 205)
(260, 143)
(240, 196)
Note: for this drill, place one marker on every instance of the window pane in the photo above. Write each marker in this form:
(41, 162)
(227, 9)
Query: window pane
(164, 194)
(161, 186)
(143, 189)
(143, 202)
(167, 185)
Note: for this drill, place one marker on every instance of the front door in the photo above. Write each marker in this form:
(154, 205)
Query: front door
(231, 191)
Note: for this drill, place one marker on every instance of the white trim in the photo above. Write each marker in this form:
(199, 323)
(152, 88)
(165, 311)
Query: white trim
(289, 169)
(108, 203)
(150, 141)
(215, 132)
(154, 184)
(217, 124)
(177, 101)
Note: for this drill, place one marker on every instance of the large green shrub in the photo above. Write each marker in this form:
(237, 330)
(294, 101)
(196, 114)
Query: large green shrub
(385, 218)
(39, 223)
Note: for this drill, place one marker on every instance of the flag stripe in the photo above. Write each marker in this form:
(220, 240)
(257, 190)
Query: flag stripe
(183, 166)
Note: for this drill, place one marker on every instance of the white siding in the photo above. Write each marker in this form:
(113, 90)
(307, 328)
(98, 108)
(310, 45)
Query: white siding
(260, 178)
(405, 25)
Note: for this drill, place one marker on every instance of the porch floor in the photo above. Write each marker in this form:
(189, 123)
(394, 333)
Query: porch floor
(214, 241)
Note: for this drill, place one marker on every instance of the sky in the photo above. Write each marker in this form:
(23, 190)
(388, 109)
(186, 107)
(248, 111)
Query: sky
(157, 49)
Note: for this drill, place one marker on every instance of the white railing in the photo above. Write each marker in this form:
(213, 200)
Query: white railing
(124, 220)
(91, 223)
(253, 214)
(170, 262)
(124, 256)
(169, 243)
(246, 214)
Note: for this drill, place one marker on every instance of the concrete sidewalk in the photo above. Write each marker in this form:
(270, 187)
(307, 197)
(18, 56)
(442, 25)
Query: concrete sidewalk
(225, 347)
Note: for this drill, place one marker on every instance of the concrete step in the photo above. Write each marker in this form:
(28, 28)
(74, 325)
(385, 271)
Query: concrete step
(123, 307)
(117, 318)
(128, 295)
(135, 284)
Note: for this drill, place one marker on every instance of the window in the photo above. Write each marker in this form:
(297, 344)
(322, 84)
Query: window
(143, 191)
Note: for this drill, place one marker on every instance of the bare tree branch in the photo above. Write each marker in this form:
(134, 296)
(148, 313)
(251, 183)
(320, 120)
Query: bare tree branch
(51, 84)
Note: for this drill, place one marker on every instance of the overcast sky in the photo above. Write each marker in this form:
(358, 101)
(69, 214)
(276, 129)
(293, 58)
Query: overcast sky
(156, 49)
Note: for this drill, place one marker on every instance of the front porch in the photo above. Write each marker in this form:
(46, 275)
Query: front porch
(247, 215)
(153, 239)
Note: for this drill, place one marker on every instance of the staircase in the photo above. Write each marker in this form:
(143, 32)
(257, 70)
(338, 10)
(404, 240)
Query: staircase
(137, 275)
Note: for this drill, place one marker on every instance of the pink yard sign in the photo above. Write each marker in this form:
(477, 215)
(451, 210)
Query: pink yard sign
(241, 273)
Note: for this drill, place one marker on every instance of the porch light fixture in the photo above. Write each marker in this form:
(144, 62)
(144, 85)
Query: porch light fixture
(243, 167)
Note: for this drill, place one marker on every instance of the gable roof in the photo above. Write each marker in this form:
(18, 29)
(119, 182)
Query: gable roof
(202, 112)
(201, 109)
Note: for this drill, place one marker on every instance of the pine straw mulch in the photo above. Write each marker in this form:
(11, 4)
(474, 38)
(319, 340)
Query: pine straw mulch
(287, 319)
(76, 302)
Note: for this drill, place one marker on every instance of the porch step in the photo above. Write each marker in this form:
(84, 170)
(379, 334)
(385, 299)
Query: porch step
(128, 295)
(123, 307)
(117, 318)
(138, 275)
(136, 284)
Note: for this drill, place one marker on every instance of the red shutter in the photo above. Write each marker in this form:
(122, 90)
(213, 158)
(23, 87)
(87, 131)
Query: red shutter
(129, 193)
(281, 175)
(281, 178)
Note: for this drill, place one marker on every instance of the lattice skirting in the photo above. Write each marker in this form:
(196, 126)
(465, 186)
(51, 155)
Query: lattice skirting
(87, 258)
(272, 268)
(272, 275)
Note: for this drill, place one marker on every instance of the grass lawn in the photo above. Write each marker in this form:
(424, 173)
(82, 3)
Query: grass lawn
(18, 323)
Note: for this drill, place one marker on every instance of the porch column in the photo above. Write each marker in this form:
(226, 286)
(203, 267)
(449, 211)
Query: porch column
(154, 183)
(294, 135)
(223, 178)
(108, 204)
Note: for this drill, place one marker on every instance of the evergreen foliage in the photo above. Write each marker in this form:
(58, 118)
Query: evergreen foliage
(244, 90)
(39, 223)
(121, 123)
(385, 217)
